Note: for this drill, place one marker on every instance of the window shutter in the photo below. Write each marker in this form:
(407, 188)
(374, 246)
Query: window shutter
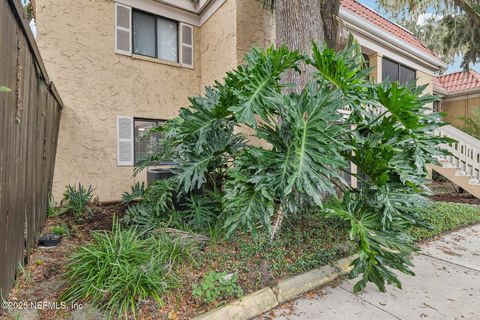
(123, 29)
(124, 141)
(186, 45)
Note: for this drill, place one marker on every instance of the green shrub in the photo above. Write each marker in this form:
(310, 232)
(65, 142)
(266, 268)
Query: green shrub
(198, 213)
(141, 215)
(75, 200)
(159, 196)
(61, 230)
(155, 208)
(444, 216)
(136, 193)
(201, 213)
(217, 286)
(120, 268)
(302, 146)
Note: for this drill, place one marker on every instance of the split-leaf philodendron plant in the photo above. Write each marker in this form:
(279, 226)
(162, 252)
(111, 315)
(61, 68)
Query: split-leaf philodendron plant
(272, 148)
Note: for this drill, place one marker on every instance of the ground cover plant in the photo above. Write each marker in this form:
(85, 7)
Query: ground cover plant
(217, 285)
(302, 147)
(61, 230)
(445, 216)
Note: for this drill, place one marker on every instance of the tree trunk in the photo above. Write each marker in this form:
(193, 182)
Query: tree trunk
(299, 22)
(329, 11)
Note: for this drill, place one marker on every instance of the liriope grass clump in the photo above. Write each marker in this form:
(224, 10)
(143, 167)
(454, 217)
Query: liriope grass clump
(120, 268)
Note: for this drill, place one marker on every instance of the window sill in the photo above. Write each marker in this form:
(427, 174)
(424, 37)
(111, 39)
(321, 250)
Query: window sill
(156, 60)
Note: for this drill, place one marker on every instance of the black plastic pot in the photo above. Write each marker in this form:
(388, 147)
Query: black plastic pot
(49, 240)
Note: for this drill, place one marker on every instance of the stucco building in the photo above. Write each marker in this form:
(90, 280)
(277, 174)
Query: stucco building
(460, 92)
(123, 66)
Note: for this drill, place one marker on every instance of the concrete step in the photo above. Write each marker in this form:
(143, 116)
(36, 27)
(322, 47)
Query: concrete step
(458, 177)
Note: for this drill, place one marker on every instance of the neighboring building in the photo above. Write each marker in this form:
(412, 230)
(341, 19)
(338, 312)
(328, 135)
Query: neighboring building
(460, 92)
(123, 66)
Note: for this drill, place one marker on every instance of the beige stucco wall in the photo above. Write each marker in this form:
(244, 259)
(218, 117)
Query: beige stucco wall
(460, 106)
(218, 43)
(255, 27)
(226, 36)
(425, 79)
(76, 40)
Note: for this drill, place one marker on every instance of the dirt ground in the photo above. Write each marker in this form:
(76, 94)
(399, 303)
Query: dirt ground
(41, 279)
(448, 192)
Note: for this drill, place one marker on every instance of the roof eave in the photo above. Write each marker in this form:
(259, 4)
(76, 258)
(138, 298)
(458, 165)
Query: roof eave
(187, 5)
(462, 93)
(440, 90)
(375, 31)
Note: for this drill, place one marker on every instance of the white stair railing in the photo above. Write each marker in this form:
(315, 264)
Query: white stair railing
(465, 154)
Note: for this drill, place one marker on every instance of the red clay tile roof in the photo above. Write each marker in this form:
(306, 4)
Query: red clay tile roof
(458, 81)
(373, 17)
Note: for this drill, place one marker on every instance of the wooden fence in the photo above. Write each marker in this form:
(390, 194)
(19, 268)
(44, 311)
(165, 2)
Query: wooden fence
(29, 122)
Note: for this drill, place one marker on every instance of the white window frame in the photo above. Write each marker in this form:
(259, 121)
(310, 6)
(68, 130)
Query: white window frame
(180, 43)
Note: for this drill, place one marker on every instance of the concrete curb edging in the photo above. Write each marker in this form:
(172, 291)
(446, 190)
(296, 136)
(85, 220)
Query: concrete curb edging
(268, 298)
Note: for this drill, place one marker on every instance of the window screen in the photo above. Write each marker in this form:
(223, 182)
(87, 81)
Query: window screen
(144, 34)
(145, 145)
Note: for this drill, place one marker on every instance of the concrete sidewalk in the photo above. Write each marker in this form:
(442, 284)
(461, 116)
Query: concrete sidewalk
(446, 286)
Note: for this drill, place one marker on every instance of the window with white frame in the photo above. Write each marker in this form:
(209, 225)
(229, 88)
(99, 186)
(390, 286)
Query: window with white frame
(133, 142)
(155, 36)
(147, 34)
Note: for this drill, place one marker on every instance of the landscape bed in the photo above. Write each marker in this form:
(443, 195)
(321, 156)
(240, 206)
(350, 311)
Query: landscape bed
(236, 217)
(303, 244)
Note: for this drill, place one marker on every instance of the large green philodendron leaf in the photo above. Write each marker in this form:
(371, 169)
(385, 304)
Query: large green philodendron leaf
(247, 204)
(258, 79)
(344, 70)
(193, 167)
(306, 149)
(404, 103)
(378, 250)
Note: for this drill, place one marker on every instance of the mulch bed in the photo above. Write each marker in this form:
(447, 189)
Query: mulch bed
(446, 191)
(42, 279)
